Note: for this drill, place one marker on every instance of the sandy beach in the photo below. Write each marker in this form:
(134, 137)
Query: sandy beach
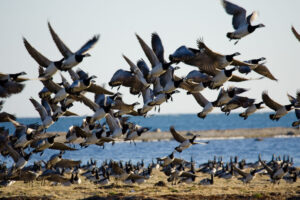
(259, 188)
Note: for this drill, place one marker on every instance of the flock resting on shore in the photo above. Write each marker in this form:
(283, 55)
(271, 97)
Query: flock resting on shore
(157, 85)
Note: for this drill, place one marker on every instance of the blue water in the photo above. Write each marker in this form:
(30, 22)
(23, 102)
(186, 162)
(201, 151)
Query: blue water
(182, 122)
(244, 148)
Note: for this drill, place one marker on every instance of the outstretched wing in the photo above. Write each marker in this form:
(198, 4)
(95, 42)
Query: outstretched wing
(176, 135)
(269, 102)
(88, 45)
(64, 50)
(37, 56)
(296, 33)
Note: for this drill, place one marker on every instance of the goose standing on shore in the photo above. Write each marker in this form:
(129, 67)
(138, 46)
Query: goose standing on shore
(241, 24)
(72, 59)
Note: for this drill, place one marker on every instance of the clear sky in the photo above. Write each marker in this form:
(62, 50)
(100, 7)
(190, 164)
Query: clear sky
(177, 23)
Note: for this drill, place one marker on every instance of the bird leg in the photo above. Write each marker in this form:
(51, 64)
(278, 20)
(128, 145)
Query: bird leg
(236, 42)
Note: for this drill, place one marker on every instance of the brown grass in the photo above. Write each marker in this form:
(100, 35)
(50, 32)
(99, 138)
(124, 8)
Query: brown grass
(259, 188)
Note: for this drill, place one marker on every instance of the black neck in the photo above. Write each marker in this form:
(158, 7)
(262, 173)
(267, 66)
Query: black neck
(177, 83)
(252, 28)
(79, 58)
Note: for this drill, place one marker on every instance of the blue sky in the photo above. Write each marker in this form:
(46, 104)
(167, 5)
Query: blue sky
(177, 22)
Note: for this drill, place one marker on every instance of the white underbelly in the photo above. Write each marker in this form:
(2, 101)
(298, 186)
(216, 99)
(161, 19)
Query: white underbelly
(69, 62)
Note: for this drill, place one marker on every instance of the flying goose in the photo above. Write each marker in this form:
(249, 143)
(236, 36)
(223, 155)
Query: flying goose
(55, 158)
(203, 102)
(198, 77)
(226, 95)
(72, 59)
(236, 102)
(296, 102)
(50, 66)
(11, 84)
(44, 112)
(184, 142)
(240, 22)
(147, 99)
(135, 132)
(100, 108)
(280, 110)
(114, 125)
(251, 109)
(169, 81)
(136, 70)
(158, 67)
(221, 77)
(206, 60)
(13, 77)
(126, 79)
(161, 98)
(23, 134)
(20, 158)
(259, 68)
(297, 123)
(123, 107)
(295, 33)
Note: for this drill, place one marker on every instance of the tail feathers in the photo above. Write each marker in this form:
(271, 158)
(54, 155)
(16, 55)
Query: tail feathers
(178, 149)
(230, 35)
(296, 123)
(243, 115)
(201, 115)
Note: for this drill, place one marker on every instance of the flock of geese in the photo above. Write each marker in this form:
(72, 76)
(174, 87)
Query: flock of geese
(157, 84)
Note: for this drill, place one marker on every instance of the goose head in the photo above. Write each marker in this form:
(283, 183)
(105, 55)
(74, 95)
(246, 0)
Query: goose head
(59, 63)
(229, 57)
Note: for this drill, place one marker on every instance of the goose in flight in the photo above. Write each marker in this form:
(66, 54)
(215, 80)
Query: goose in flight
(126, 79)
(184, 142)
(44, 112)
(83, 82)
(236, 102)
(206, 60)
(11, 84)
(155, 56)
(50, 66)
(240, 22)
(226, 95)
(280, 110)
(259, 68)
(251, 109)
(203, 102)
(136, 70)
(72, 59)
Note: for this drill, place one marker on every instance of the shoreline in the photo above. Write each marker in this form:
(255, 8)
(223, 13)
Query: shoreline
(258, 133)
